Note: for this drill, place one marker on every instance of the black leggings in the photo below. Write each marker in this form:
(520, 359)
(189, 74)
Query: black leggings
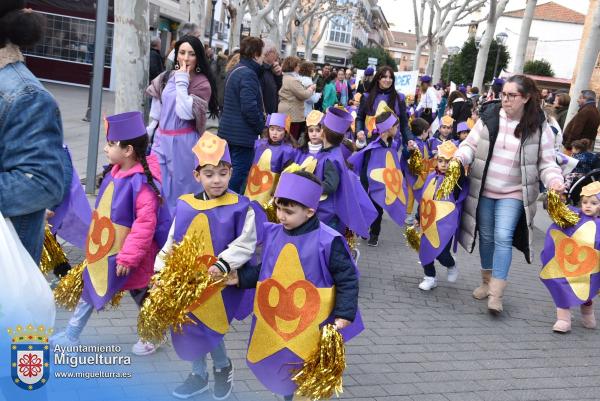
(445, 258)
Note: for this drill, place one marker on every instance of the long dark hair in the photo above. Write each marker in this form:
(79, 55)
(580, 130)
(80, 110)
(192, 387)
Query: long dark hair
(202, 63)
(393, 99)
(531, 119)
(20, 27)
(139, 145)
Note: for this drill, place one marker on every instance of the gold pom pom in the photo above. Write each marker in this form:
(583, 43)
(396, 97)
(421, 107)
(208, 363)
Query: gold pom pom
(415, 162)
(559, 212)
(116, 299)
(68, 291)
(321, 374)
(271, 210)
(52, 253)
(450, 180)
(181, 283)
(413, 237)
(350, 239)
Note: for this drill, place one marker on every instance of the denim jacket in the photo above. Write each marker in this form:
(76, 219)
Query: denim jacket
(31, 137)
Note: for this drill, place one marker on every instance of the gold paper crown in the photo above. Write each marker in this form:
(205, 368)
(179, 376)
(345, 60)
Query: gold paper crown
(591, 189)
(447, 149)
(447, 120)
(314, 118)
(30, 333)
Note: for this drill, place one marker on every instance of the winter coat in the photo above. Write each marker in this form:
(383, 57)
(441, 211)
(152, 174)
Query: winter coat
(561, 116)
(157, 64)
(329, 96)
(270, 84)
(292, 96)
(583, 125)
(243, 117)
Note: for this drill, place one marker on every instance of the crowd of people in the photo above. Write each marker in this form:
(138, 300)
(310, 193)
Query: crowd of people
(331, 155)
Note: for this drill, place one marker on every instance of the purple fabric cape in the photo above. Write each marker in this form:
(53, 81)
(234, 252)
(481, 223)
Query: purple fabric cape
(226, 224)
(560, 289)
(275, 371)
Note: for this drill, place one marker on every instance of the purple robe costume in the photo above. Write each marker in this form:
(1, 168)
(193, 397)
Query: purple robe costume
(173, 143)
(571, 262)
(291, 263)
(220, 221)
(387, 186)
(439, 219)
(72, 217)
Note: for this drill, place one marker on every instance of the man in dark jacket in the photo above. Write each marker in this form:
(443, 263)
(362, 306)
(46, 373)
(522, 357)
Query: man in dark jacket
(243, 117)
(271, 78)
(585, 123)
(157, 65)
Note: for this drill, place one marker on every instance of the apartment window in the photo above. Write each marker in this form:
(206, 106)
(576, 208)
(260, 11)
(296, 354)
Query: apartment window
(340, 30)
(71, 39)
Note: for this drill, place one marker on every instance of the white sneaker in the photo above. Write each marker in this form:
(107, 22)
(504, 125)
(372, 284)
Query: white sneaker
(452, 274)
(428, 283)
(142, 348)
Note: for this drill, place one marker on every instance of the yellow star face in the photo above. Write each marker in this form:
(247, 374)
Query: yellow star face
(209, 308)
(261, 180)
(575, 259)
(431, 211)
(391, 177)
(288, 310)
(104, 239)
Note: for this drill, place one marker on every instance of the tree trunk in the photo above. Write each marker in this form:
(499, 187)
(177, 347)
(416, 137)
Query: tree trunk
(308, 45)
(131, 52)
(418, 29)
(524, 36)
(294, 41)
(437, 67)
(586, 67)
(496, 10)
(416, 61)
(198, 15)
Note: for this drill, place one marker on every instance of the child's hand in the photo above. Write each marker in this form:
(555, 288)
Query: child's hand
(49, 214)
(360, 135)
(214, 272)
(232, 278)
(411, 145)
(122, 270)
(341, 323)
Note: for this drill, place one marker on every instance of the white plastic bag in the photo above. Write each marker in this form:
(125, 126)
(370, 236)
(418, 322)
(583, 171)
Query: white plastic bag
(25, 296)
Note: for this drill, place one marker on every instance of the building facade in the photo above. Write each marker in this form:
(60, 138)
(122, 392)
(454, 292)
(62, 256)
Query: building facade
(402, 45)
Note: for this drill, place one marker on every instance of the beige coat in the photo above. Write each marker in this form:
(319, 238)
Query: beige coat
(291, 98)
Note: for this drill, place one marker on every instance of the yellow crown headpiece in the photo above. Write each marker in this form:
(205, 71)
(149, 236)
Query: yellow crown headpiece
(447, 150)
(314, 118)
(591, 189)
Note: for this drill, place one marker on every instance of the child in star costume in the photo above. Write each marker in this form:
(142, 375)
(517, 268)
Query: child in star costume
(571, 262)
(300, 255)
(129, 224)
(379, 167)
(271, 155)
(439, 220)
(462, 131)
(227, 225)
(421, 131)
(444, 133)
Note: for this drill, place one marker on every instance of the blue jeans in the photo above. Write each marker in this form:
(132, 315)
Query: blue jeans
(497, 220)
(241, 161)
(219, 357)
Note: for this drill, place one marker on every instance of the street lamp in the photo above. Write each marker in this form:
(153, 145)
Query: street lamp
(452, 51)
(500, 41)
(212, 22)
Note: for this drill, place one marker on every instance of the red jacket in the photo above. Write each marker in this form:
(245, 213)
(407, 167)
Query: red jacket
(139, 249)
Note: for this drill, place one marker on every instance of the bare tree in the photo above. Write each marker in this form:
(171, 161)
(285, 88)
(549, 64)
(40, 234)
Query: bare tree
(586, 67)
(524, 36)
(496, 10)
(198, 14)
(419, 15)
(132, 52)
(236, 10)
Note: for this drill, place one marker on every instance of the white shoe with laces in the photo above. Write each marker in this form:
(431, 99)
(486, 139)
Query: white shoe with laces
(143, 348)
(452, 274)
(428, 283)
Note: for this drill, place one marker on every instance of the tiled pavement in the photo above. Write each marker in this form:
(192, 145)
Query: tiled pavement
(430, 346)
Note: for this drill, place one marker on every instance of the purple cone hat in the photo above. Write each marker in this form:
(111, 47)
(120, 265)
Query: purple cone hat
(337, 120)
(124, 126)
(300, 189)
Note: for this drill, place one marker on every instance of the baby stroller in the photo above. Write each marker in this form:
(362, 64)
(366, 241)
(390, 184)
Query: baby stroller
(575, 191)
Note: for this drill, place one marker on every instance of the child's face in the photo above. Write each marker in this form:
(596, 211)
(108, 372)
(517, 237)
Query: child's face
(214, 179)
(442, 164)
(276, 133)
(425, 134)
(445, 130)
(314, 135)
(590, 205)
(293, 216)
(391, 133)
(463, 135)
(474, 116)
(116, 154)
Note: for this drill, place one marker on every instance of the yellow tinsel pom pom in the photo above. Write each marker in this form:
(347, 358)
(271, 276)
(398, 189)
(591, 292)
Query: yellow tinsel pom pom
(321, 375)
(68, 291)
(181, 283)
(52, 253)
(413, 237)
(271, 210)
(559, 212)
(350, 239)
(415, 162)
(450, 180)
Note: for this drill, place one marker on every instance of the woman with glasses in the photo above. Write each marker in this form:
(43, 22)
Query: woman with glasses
(509, 150)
